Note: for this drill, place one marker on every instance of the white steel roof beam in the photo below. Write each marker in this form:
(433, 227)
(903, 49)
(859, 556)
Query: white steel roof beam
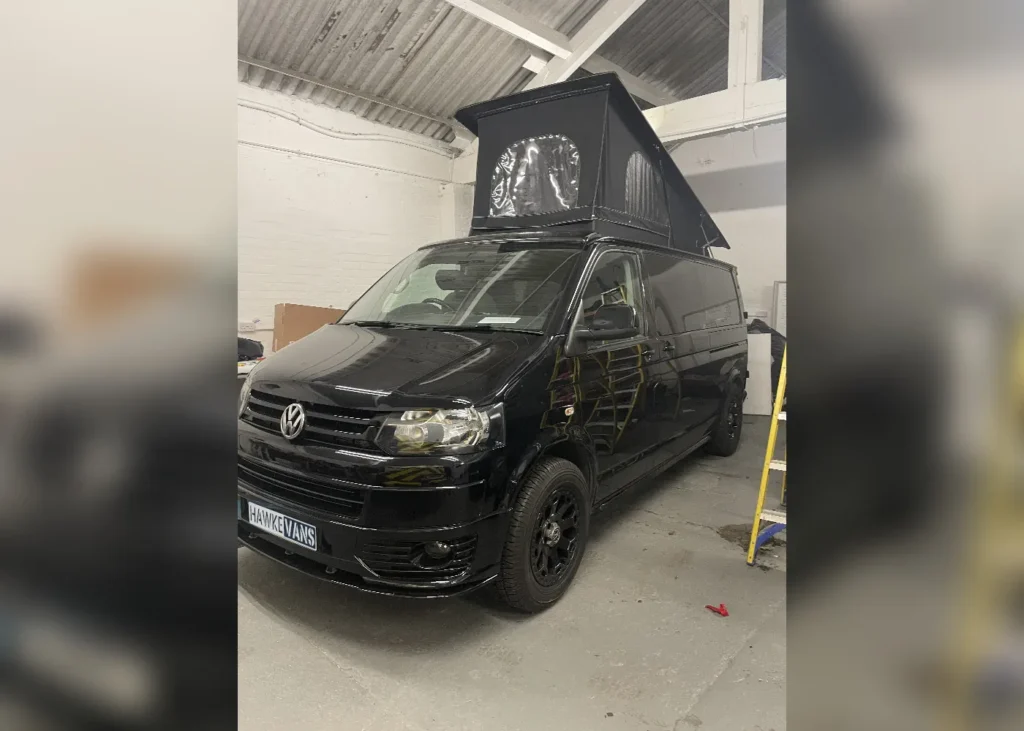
(739, 107)
(557, 44)
(746, 36)
(636, 86)
(608, 19)
(600, 65)
(515, 23)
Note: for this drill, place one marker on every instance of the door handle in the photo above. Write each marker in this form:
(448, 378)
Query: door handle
(669, 346)
(648, 354)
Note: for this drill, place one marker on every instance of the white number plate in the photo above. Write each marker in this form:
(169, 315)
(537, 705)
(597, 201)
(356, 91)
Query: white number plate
(290, 529)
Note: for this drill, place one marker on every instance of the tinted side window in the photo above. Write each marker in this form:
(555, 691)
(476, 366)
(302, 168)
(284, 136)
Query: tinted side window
(677, 295)
(723, 307)
(615, 280)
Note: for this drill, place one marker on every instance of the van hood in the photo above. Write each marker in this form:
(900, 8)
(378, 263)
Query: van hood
(395, 367)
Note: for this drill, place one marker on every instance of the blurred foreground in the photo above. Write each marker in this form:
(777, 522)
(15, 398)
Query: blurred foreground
(117, 593)
(117, 396)
(906, 433)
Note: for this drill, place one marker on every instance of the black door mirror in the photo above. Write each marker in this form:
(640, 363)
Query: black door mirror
(611, 322)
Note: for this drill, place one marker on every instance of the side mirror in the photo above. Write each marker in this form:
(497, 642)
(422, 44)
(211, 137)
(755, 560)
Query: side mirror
(611, 322)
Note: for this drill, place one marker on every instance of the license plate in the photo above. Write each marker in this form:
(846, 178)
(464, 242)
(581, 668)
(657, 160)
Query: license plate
(280, 525)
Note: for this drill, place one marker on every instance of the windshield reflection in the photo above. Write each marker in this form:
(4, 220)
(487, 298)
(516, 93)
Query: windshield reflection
(478, 286)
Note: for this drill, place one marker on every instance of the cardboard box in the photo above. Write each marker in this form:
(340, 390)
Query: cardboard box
(109, 283)
(294, 322)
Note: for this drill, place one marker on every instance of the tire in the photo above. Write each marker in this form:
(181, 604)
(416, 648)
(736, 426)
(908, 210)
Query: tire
(725, 437)
(535, 574)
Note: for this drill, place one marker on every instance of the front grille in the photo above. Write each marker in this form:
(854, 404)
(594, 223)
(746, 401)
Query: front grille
(319, 494)
(332, 426)
(407, 560)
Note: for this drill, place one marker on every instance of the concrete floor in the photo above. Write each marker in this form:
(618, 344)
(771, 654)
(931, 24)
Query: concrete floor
(630, 646)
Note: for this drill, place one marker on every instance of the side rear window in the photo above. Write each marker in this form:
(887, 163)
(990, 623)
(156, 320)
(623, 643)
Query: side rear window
(687, 295)
(723, 307)
(676, 293)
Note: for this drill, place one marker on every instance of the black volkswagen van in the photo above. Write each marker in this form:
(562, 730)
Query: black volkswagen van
(463, 420)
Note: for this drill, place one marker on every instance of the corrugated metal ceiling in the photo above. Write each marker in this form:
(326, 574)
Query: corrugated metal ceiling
(684, 44)
(774, 39)
(429, 57)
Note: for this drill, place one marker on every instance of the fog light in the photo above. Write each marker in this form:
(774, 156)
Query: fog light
(437, 549)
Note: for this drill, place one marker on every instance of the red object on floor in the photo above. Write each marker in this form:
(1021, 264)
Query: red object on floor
(720, 609)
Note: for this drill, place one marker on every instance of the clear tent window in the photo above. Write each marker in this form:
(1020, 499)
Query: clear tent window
(534, 176)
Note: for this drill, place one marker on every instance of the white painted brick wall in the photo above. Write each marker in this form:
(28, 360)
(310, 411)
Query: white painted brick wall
(463, 196)
(457, 201)
(316, 224)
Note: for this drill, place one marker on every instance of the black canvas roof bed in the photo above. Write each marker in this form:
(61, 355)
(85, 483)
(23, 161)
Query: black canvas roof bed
(581, 155)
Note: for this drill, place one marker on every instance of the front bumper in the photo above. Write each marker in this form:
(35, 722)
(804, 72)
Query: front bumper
(373, 512)
(379, 560)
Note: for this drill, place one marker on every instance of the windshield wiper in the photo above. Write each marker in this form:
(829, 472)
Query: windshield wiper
(385, 323)
(443, 328)
(486, 329)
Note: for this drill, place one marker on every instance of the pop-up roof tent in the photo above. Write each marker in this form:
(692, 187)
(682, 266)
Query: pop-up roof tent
(580, 156)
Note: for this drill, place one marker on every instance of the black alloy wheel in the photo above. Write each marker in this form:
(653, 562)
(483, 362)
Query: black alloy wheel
(733, 418)
(547, 536)
(725, 437)
(555, 537)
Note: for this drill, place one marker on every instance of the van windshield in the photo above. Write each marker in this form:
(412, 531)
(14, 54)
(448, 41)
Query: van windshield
(470, 286)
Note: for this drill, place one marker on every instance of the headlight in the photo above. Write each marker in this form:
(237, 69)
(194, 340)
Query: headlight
(442, 431)
(243, 397)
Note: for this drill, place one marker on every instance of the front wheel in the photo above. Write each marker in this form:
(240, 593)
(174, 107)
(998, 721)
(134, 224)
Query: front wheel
(725, 437)
(546, 538)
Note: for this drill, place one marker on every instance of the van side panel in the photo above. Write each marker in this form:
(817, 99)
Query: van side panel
(696, 347)
(698, 319)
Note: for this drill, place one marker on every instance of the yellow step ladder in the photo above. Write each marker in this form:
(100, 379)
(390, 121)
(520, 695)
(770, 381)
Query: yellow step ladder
(776, 519)
(993, 569)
